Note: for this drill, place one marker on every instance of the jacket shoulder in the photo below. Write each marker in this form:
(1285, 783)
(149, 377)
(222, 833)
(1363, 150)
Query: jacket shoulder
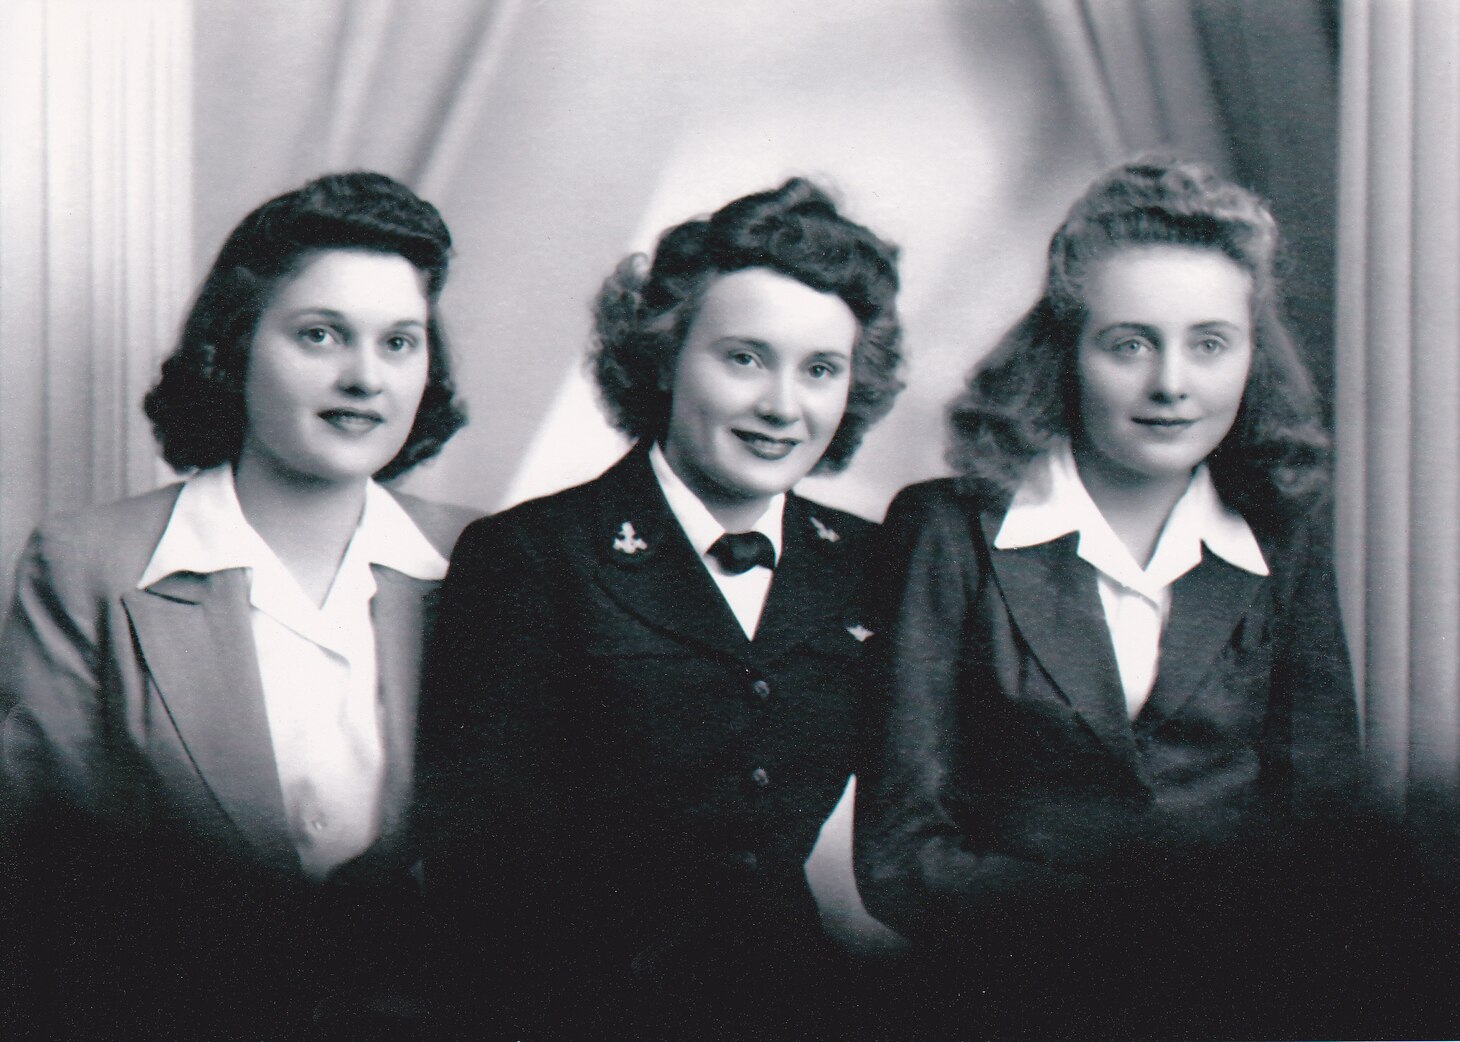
(110, 543)
(441, 523)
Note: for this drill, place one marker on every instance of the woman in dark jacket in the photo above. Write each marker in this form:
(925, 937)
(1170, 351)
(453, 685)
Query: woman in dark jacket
(1114, 691)
(639, 723)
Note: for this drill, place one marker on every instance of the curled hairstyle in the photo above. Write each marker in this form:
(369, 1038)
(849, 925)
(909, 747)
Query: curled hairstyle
(1273, 462)
(197, 406)
(644, 311)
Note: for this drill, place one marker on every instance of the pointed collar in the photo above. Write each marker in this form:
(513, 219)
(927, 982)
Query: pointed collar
(694, 517)
(208, 533)
(1052, 502)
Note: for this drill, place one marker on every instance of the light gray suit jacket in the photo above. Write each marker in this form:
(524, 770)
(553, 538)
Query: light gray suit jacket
(142, 708)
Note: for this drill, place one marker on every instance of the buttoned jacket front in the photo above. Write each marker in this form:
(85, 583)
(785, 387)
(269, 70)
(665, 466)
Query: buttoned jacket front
(1002, 765)
(607, 749)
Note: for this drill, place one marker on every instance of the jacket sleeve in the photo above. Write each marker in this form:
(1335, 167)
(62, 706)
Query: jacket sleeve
(915, 867)
(1314, 726)
(492, 821)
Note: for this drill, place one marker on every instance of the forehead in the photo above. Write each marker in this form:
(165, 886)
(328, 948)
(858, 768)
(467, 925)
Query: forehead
(1167, 284)
(355, 281)
(760, 304)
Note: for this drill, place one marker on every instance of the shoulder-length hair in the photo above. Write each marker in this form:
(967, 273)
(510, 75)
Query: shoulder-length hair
(644, 310)
(1273, 462)
(197, 406)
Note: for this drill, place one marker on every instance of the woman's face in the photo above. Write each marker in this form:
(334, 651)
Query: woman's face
(1162, 360)
(759, 388)
(337, 367)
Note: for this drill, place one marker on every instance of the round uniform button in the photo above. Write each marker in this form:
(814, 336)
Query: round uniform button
(761, 690)
(760, 777)
(745, 860)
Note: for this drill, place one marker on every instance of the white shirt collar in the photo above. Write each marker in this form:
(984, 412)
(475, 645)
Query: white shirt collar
(695, 518)
(208, 532)
(1052, 502)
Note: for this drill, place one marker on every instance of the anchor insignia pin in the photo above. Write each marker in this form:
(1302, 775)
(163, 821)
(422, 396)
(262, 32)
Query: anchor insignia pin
(859, 631)
(822, 532)
(628, 541)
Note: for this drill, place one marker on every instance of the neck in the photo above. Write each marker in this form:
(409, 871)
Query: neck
(308, 524)
(734, 513)
(1135, 506)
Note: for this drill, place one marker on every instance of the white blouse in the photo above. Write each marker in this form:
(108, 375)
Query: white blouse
(317, 663)
(1052, 502)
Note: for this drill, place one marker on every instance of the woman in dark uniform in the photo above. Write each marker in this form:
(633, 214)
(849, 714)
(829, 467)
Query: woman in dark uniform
(1116, 693)
(641, 699)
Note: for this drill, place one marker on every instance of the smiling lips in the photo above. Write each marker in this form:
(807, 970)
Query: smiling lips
(765, 446)
(352, 421)
(1163, 423)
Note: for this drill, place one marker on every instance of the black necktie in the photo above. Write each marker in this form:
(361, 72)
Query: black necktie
(739, 552)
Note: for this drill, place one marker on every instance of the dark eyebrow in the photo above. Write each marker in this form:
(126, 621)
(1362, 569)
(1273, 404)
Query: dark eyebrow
(1217, 326)
(339, 318)
(1129, 327)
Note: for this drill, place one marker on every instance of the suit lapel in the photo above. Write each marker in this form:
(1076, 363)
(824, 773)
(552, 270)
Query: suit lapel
(1054, 601)
(810, 584)
(399, 613)
(1206, 605)
(196, 641)
(646, 563)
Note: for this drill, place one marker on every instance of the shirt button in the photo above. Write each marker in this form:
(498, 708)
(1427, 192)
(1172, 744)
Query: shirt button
(761, 690)
(745, 860)
(760, 777)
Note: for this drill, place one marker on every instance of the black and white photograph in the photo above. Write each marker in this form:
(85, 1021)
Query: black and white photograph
(645, 520)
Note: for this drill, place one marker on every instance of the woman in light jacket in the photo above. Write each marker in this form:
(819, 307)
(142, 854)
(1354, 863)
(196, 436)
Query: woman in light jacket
(210, 690)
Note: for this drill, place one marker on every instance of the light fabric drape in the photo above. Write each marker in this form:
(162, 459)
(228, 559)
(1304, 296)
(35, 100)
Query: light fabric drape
(95, 238)
(1398, 402)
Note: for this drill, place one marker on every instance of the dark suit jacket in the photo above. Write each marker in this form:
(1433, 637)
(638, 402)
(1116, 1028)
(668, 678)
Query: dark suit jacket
(625, 785)
(139, 771)
(1005, 780)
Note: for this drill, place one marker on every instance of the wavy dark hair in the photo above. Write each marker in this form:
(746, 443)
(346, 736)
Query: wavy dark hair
(644, 310)
(1273, 463)
(197, 406)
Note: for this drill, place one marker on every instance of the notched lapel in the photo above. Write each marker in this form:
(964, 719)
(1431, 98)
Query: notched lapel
(812, 584)
(1207, 603)
(646, 563)
(1054, 601)
(400, 610)
(196, 642)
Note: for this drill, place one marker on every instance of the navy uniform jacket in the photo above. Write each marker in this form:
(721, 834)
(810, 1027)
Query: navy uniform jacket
(625, 786)
(1006, 781)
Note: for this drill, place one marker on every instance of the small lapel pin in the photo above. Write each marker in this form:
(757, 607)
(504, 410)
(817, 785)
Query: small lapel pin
(628, 542)
(859, 631)
(822, 532)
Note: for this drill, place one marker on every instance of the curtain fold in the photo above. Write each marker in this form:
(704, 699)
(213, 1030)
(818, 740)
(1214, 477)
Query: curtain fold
(1398, 375)
(95, 236)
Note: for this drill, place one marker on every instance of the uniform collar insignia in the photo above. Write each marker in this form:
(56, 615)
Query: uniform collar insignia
(822, 531)
(860, 632)
(627, 541)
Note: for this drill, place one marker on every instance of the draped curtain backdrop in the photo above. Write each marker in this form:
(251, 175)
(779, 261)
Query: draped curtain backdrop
(1398, 375)
(555, 137)
(95, 245)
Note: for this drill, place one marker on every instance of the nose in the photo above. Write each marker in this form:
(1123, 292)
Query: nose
(360, 372)
(778, 402)
(1168, 376)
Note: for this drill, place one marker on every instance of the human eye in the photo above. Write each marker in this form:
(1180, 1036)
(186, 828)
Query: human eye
(742, 358)
(823, 370)
(1129, 345)
(316, 336)
(1210, 345)
(400, 343)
